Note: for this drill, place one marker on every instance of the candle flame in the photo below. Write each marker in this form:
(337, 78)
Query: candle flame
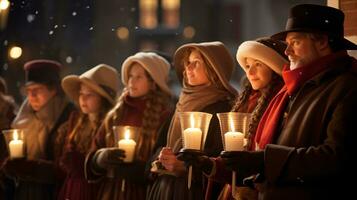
(127, 134)
(192, 120)
(15, 135)
(244, 124)
(231, 123)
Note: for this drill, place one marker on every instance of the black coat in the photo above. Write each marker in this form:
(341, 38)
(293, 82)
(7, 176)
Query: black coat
(315, 153)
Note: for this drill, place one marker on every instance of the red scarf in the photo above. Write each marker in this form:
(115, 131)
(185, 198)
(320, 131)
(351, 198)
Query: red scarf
(253, 100)
(293, 80)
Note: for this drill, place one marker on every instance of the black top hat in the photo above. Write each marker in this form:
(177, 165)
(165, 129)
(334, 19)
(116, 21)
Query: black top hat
(42, 71)
(317, 18)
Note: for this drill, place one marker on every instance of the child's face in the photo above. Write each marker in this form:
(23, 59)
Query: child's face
(38, 95)
(89, 100)
(195, 69)
(259, 74)
(139, 84)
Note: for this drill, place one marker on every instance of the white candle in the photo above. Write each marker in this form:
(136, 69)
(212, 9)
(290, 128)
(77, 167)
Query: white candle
(192, 138)
(234, 141)
(16, 147)
(128, 145)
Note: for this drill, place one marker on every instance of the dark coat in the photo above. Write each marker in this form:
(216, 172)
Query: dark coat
(171, 187)
(71, 161)
(37, 176)
(131, 174)
(315, 152)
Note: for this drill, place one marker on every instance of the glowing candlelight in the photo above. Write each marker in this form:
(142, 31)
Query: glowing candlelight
(16, 146)
(128, 145)
(234, 140)
(192, 136)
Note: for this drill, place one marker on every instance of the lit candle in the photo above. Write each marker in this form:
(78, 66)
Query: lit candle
(16, 146)
(234, 140)
(192, 136)
(128, 145)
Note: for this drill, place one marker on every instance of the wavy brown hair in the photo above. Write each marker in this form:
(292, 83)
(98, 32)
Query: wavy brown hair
(83, 143)
(266, 95)
(157, 101)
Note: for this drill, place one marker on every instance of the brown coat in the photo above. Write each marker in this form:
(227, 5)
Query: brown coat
(315, 152)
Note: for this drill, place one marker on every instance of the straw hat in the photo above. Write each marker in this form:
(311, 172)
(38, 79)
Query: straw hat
(102, 78)
(157, 67)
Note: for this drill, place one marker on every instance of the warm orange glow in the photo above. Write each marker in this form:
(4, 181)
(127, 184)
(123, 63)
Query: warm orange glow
(192, 121)
(127, 134)
(15, 52)
(171, 4)
(148, 13)
(171, 13)
(15, 135)
(189, 32)
(4, 4)
(231, 123)
(123, 33)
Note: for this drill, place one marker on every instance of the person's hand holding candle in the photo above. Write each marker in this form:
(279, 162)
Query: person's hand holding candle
(128, 145)
(247, 163)
(170, 162)
(107, 157)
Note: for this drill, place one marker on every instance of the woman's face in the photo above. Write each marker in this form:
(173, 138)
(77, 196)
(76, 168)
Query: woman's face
(139, 83)
(195, 69)
(89, 101)
(258, 73)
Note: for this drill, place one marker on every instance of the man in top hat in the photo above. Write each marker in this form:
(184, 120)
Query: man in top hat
(305, 138)
(42, 112)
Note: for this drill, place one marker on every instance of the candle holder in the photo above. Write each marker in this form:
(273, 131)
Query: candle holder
(234, 128)
(126, 137)
(194, 128)
(15, 141)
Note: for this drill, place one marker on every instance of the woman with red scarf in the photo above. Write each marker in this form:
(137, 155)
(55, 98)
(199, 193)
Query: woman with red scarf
(307, 133)
(262, 60)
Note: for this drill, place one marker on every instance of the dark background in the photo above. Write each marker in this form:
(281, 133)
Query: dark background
(83, 33)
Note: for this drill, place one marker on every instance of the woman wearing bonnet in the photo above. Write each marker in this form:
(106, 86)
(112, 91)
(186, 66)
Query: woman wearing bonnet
(205, 70)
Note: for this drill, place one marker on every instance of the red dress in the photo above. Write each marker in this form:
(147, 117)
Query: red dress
(75, 186)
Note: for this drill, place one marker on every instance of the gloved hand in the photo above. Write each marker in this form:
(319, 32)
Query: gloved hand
(198, 161)
(246, 163)
(107, 157)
